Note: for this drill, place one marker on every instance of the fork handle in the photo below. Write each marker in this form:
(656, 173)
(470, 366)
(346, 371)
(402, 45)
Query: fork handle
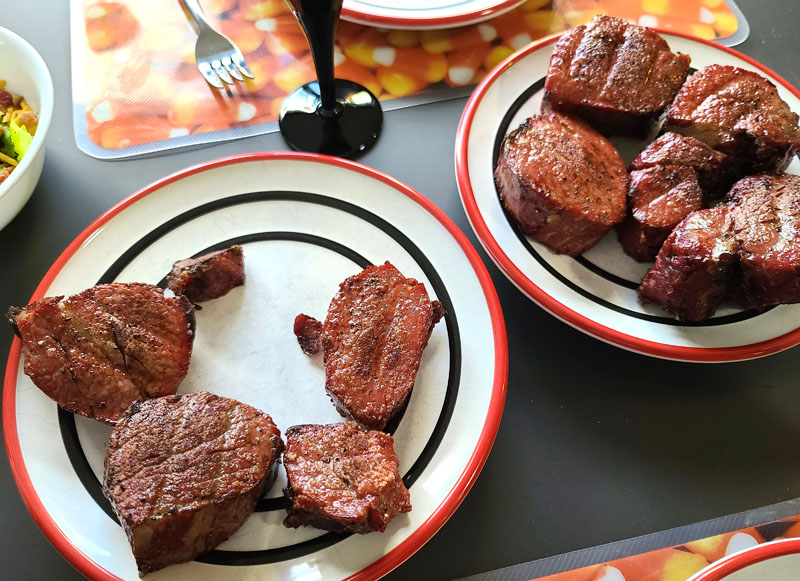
(196, 12)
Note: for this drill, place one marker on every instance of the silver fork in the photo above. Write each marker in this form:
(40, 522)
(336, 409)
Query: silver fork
(218, 59)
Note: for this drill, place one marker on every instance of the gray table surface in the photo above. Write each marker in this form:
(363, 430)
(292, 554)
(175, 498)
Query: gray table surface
(596, 444)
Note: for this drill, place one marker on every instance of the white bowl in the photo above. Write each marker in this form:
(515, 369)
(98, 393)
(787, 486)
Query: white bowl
(26, 75)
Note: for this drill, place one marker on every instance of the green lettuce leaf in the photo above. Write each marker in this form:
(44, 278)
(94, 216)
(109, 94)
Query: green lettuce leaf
(6, 146)
(21, 138)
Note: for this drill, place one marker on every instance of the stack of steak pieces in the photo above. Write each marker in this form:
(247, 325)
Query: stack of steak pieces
(345, 477)
(559, 179)
(183, 472)
(668, 180)
(747, 249)
(561, 182)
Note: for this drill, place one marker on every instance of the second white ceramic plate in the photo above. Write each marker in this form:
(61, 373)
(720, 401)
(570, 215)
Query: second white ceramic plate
(596, 292)
(419, 14)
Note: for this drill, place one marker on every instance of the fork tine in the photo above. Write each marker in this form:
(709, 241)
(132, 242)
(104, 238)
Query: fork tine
(208, 74)
(216, 65)
(232, 70)
(238, 59)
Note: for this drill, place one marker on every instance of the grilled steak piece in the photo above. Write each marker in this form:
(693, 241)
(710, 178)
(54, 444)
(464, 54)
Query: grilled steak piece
(766, 218)
(739, 113)
(209, 276)
(342, 478)
(377, 327)
(747, 248)
(308, 330)
(692, 270)
(713, 173)
(659, 197)
(562, 182)
(184, 472)
(98, 351)
(616, 75)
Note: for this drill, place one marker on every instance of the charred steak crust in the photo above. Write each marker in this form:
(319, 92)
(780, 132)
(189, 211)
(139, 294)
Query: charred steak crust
(209, 276)
(766, 222)
(183, 472)
(713, 173)
(618, 76)
(692, 271)
(98, 351)
(377, 327)
(307, 330)
(562, 182)
(739, 113)
(747, 248)
(659, 197)
(342, 478)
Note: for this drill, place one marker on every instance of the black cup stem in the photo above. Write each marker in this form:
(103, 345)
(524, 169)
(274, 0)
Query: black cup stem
(318, 19)
(332, 116)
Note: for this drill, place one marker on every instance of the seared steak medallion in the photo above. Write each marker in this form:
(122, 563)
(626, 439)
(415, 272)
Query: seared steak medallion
(675, 149)
(209, 276)
(98, 351)
(692, 270)
(377, 326)
(184, 472)
(342, 478)
(747, 248)
(307, 330)
(766, 215)
(659, 197)
(616, 75)
(740, 113)
(562, 182)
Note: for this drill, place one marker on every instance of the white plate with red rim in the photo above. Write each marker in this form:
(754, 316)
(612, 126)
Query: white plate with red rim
(421, 14)
(596, 292)
(774, 561)
(306, 222)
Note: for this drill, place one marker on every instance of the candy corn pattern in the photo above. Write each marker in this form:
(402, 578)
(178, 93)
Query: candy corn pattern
(681, 562)
(141, 84)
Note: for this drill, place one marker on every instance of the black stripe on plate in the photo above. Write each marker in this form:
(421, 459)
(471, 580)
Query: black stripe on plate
(67, 421)
(336, 247)
(725, 320)
(502, 131)
(248, 558)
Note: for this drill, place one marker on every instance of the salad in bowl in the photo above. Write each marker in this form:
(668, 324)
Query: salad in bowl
(26, 109)
(18, 123)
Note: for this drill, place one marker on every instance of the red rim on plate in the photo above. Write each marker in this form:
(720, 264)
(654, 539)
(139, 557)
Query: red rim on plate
(545, 300)
(417, 538)
(747, 557)
(462, 19)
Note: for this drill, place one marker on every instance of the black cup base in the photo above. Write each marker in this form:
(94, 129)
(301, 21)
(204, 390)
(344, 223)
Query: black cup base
(350, 131)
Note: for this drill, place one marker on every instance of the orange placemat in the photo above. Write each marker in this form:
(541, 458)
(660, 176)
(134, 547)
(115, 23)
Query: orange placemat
(680, 562)
(671, 555)
(136, 88)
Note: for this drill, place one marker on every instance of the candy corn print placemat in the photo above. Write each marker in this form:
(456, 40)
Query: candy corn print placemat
(672, 555)
(136, 89)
